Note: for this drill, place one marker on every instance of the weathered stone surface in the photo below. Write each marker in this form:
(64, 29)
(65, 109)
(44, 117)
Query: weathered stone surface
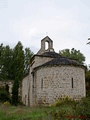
(51, 77)
(57, 82)
(10, 86)
(9, 83)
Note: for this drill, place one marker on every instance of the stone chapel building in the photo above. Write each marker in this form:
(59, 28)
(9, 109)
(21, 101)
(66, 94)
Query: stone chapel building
(52, 76)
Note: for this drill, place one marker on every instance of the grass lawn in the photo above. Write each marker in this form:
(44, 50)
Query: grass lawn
(59, 111)
(27, 113)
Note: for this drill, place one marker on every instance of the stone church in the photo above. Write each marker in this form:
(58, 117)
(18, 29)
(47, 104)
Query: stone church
(51, 77)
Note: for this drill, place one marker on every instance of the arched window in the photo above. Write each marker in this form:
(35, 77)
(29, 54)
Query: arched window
(46, 45)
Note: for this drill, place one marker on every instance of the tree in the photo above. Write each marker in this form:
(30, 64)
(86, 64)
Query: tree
(73, 54)
(88, 42)
(1, 64)
(28, 54)
(15, 91)
(6, 60)
(87, 78)
(18, 57)
(14, 63)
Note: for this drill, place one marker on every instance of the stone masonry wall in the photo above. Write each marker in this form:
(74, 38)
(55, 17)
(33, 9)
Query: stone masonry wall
(39, 60)
(9, 83)
(55, 82)
(25, 90)
(27, 95)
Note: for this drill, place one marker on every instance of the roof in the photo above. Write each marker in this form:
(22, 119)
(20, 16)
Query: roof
(47, 54)
(59, 60)
(51, 54)
(47, 38)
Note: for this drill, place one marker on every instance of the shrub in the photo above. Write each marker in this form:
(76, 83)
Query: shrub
(6, 103)
(4, 96)
(83, 108)
(88, 93)
(63, 101)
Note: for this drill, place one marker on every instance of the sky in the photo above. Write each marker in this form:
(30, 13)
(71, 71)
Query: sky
(66, 22)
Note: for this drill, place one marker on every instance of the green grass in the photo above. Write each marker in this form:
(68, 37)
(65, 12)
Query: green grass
(26, 113)
(59, 111)
(21, 113)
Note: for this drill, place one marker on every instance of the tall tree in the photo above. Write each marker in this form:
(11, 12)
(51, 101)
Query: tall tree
(28, 54)
(73, 54)
(14, 63)
(6, 62)
(18, 57)
(15, 91)
(1, 64)
(87, 78)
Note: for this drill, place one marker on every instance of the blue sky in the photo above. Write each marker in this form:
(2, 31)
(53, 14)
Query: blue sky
(66, 22)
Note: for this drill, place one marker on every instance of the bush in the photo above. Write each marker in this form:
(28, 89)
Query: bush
(83, 108)
(63, 101)
(88, 93)
(4, 96)
(57, 115)
(6, 103)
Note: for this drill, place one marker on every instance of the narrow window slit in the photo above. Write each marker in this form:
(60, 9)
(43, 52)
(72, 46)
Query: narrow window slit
(41, 83)
(72, 82)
